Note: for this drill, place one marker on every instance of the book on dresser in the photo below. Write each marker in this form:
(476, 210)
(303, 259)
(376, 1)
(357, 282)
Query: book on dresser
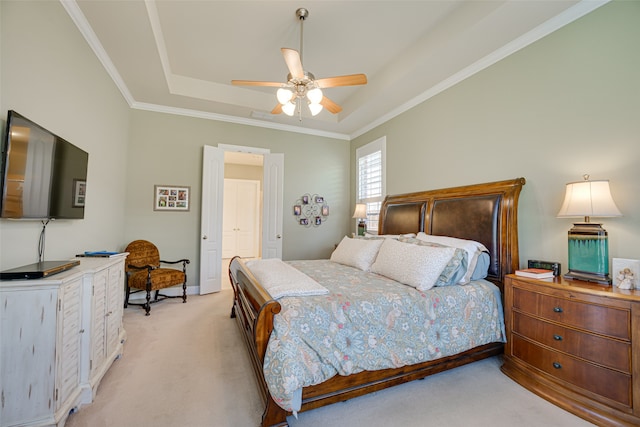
(535, 273)
(99, 254)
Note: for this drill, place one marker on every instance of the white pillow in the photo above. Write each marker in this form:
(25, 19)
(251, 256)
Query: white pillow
(473, 249)
(413, 265)
(358, 253)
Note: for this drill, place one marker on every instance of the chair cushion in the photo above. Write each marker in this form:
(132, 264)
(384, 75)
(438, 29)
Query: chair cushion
(160, 278)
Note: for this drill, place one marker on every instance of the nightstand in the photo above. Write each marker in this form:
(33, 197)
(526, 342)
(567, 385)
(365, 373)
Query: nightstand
(577, 345)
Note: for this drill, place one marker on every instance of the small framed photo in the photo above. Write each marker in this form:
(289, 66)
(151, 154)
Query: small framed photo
(319, 200)
(297, 210)
(318, 220)
(625, 273)
(79, 192)
(305, 200)
(325, 210)
(304, 221)
(171, 198)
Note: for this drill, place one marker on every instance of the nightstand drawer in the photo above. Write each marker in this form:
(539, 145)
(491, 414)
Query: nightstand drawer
(604, 351)
(601, 381)
(582, 315)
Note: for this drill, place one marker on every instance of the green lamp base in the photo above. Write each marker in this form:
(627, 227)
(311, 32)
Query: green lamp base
(589, 253)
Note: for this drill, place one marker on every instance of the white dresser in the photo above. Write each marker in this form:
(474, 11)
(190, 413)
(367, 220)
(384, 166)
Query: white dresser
(58, 337)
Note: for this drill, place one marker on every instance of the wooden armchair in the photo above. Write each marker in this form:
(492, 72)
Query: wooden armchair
(145, 274)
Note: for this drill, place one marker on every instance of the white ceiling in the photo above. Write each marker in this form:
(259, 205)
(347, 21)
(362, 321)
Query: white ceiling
(179, 56)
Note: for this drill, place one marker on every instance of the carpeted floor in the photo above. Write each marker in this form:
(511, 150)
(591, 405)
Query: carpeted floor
(186, 365)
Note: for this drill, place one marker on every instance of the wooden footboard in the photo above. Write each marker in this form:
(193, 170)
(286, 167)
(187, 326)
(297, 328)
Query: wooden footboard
(482, 212)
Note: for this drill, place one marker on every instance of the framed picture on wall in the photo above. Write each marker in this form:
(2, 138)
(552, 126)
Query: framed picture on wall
(79, 192)
(171, 198)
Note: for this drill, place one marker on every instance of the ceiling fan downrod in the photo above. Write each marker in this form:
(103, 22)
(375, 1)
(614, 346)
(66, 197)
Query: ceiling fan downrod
(302, 14)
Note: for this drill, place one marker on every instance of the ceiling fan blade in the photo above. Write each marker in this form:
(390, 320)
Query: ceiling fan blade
(277, 109)
(292, 58)
(350, 80)
(255, 83)
(331, 106)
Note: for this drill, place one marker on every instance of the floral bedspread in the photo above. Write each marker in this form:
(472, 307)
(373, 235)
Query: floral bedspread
(369, 322)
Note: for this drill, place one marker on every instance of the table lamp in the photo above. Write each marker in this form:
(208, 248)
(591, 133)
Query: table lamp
(361, 214)
(588, 241)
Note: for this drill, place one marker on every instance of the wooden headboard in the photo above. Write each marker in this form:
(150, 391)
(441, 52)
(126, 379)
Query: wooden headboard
(486, 213)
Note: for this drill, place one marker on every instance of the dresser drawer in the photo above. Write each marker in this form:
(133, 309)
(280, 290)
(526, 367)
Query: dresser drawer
(604, 382)
(583, 315)
(604, 351)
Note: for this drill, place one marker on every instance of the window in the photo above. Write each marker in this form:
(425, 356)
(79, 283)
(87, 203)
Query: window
(370, 179)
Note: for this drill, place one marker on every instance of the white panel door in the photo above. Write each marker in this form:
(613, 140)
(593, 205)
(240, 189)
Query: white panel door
(273, 205)
(211, 220)
(229, 241)
(241, 218)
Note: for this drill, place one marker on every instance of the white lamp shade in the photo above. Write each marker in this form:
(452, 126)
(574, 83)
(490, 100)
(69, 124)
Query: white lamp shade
(588, 198)
(315, 109)
(360, 211)
(284, 95)
(289, 108)
(314, 95)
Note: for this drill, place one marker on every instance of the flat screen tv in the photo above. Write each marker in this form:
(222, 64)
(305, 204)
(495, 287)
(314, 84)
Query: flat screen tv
(43, 176)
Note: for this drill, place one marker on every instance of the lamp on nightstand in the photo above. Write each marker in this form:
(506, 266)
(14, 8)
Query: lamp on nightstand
(588, 241)
(361, 214)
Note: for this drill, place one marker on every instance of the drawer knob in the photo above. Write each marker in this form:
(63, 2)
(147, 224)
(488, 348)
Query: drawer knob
(557, 365)
(557, 337)
(557, 309)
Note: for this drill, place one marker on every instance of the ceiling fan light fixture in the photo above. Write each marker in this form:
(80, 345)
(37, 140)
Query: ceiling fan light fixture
(301, 84)
(289, 108)
(284, 95)
(315, 109)
(315, 95)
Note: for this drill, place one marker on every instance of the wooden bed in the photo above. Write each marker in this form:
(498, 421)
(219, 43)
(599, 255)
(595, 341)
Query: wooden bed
(487, 213)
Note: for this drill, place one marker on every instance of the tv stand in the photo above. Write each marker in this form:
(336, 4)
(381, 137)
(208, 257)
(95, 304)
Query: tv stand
(60, 335)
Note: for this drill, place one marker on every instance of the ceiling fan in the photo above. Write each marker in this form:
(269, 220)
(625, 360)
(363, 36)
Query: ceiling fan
(302, 84)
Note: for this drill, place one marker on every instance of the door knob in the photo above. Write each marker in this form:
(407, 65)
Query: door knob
(204, 237)
(278, 237)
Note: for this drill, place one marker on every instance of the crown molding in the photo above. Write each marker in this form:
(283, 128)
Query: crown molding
(553, 24)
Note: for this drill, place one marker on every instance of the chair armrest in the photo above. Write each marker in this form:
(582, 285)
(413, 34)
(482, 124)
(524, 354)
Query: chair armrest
(142, 267)
(184, 261)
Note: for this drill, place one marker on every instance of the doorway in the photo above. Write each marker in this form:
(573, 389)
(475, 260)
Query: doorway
(242, 207)
(239, 163)
(242, 204)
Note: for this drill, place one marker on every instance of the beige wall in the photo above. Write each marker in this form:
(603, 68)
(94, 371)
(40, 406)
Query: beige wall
(564, 106)
(167, 149)
(49, 74)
